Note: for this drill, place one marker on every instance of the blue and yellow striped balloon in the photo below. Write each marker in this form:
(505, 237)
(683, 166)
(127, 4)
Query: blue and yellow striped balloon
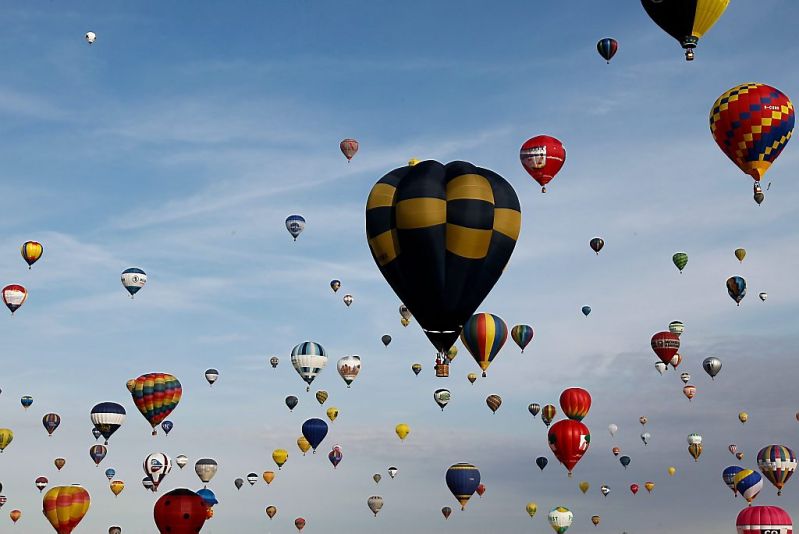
(484, 334)
(748, 483)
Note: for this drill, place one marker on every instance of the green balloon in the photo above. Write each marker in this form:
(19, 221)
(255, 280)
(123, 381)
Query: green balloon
(680, 260)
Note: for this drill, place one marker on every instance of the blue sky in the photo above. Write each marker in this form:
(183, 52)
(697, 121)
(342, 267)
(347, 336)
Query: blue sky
(184, 136)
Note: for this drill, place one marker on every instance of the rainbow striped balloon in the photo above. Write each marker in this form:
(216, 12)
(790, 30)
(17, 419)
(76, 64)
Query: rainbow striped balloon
(484, 334)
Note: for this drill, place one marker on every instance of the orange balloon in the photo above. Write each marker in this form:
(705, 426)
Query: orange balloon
(65, 506)
(15, 515)
(269, 476)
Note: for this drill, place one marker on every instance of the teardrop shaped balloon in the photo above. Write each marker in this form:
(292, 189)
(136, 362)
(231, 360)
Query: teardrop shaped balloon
(586, 310)
(688, 21)
(402, 430)
(107, 418)
(321, 396)
(596, 244)
(462, 480)
(280, 456)
(548, 414)
(494, 402)
(584, 486)
(541, 462)
(607, 48)
(777, 463)
(156, 395)
(763, 296)
(271, 511)
(522, 335)
(560, 519)
(295, 224)
(332, 413)
(471, 377)
(484, 335)
(736, 288)
(416, 368)
(291, 402)
(534, 409)
(348, 368)
(665, 345)
(31, 252)
(14, 296)
(435, 230)
(676, 328)
(575, 403)
(569, 441)
(386, 339)
(442, 397)
(308, 359)
(542, 157)
(65, 506)
(314, 431)
(303, 444)
(740, 254)
(748, 483)
(335, 285)
(680, 260)
(349, 147)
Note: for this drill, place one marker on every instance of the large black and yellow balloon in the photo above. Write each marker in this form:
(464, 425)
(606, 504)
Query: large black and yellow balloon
(685, 20)
(442, 235)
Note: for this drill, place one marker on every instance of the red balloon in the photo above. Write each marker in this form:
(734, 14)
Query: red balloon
(665, 345)
(759, 519)
(299, 523)
(181, 511)
(575, 403)
(542, 157)
(569, 440)
(480, 489)
(634, 488)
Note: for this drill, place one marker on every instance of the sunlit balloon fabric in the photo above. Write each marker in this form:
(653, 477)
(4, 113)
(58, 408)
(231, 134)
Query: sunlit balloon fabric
(14, 296)
(748, 483)
(483, 335)
(777, 463)
(441, 236)
(462, 480)
(65, 506)
(308, 358)
(685, 20)
(752, 123)
(107, 417)
(31, 252)
(133, 279)
(156, 395)
(764, 520)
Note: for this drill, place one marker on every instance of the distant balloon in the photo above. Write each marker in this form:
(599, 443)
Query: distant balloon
(279, 456)
(471, 377)
(685, 377)
(41, 483)
(271, 511)
(607, 48)
(446, 512)
(321, 396)
(349, 147)
(616, 451)
(596, 244)
(625, 461)
(680, 260)
(386, 339)
(743, 417)
(665, 345)
(777, 463)
(348, 299)
(335, 285)
(392, 471)
(31, 252)
(612, 428)
(748, 483)
(494, 402)
(633, 488)
(314, 431)
(522, 335)
(181, 461)
(584, 486)
(660, 367)
(672, 470)
(442, 397)
(649, 486)
(541, 462)
(375, 504)
(133, 279)
(239, 482)
(268, 476)
(740, 254)
(643, 420)
(531, 508)
(211, 375)
(14, 296)
(295, 224)
(548, 414)
(736, 288)
(763, 296)
(299, 524)
(332, 413)
(534, 408)
(416, 368)
(90, 37)
(116, 487)
(335, 457)
(156, 395)
(712, 366)
(110, 473)
(308, 359)
(26, 401)
(348, 368)
(645, 437)
(402, 430)
(97, 453)
(51, 421)
(605, 490)
(689, 391)
(376, 477)
(542, 157)
(586, 310)
(595, 519)
(484, 335)
(107, 418)
(59, 463)
(676, 328)
(167, 426)
(157, 466)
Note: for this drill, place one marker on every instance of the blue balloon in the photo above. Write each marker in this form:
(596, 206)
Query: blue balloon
(208, 496)
(462, 481)
(26, 401)
(736, 288)
(295, 224)
(167, 426)
(728, 475)
(314, 431)
(586, 310)
(541, 462)
(109, 473)
(625, 461)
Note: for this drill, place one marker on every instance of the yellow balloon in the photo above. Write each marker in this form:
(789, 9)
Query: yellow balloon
(65, 506)
(672, 470)
(532, 508)
(117, 486)
(131, 384)
(405, 322)
(412, 162)
(303, 444)
(332, 413)
(595, 519)
(584, 486)
(280, 456)
(402, 430)
(649, 486)
(269, 476)
(6, 437)
(740, 253)
(743, 417)
(452, 353)
(471, 377)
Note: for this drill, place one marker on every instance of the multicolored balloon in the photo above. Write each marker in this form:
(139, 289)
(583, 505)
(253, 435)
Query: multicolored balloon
(685, 21)
(107, 418)
(777, 463)
(295, 224)
(680, 260)
(736, 288)
(484, 335)
(308, 359)
(31, 252)
(133, 279)
(560, 519)
(575, 403)
(14, 296)
(349, 147)
(156, 395)
(748, 483)
(65, 506)
(569, 441)
(522, 335)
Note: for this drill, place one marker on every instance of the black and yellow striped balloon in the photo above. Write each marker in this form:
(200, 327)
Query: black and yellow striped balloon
(442, 235)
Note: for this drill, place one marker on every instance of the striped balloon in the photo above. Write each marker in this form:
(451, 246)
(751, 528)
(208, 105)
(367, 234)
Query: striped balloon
(308, 358)
(607, 48)
(65, 506)
(31, 251)
(484, 334)
(748, 483)
(777, 463)
(764, 519)
(156, 395)
(462, 480)
(522, 334)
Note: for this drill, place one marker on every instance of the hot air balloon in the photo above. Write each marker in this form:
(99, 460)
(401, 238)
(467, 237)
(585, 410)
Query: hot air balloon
(239, 482)
(416, 368)
(596, 244)
(332, 413)
(712, 366)
(660, 367)
(665, 345)
(116, 487)
(335, 457)
(14, 296)
(616, 451)
(649, 486)
(26, 401)
(50, 421)
(90, 37)
(96, 433)
(147, 482)
(740, 254)
(484, 335)
(15, 515)
(743, 417)
(575, 403)
(625, 461)
(462, 480)
(97, 453)
(777, 463)
(295, 224)
(560, 519)
(31, 252)
(291, 402)
(689, 391)
(548, 414)
(349, 147)
(748, 483)
(471, 377)
(542, 157)
(211, 375)
(531, 509)
(522, 335)
(308, 359)
(695, 446)
(541, 462)
(494, 402)
(280, 456)
(426, 227)
(763, 296)
(376, 477)
(392, 471)
(271, 511)
(181, 461)
(643, 420)
(41, 483)
(107, 417)
(133, 279)
(595, 519)
(299, 523)
(181, 511)
(442, 397)
(446, 512)
(569, 440)
(612, 428)
(763, 520)
(534, 408)
(680, 260)
(115, 530)
(59, 463)
(375, 503)
(348, 299)
(752, 123)
(314, 431)
(402, 430)
(685, 21)
(584, 486)
(321, 396)
(739, 455)
(156, 466)
(672, 470)
(110, 473)
(736, 288)
(607, 48)
(645, 436)
(156, 395)
(206, 468)
(676, 328)
(633, 488)
(335, 285)
(386, 339)
(685, 377)
(480, 490)
(349, 367)
(586, 310)
(605, 490)
(65, 506)
(268, 476)
(167, 426)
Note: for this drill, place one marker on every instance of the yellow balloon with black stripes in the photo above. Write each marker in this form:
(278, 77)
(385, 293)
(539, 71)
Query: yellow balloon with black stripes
(31, 252)
(442, 235)
(685, 20)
